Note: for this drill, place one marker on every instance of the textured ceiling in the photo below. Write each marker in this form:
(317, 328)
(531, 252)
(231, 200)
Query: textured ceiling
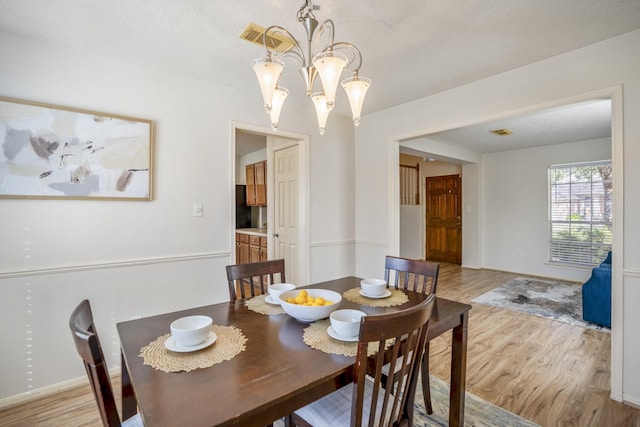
(580, 121)
(411, 48)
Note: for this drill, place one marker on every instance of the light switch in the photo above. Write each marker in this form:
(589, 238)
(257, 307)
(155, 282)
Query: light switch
(197, 209)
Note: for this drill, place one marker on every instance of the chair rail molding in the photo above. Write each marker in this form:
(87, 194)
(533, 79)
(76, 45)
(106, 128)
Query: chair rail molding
(113, 264)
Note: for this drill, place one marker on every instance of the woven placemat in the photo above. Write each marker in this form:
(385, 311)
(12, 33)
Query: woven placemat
(316, 336)
(231, 341)
(259, 305)
(397, 297)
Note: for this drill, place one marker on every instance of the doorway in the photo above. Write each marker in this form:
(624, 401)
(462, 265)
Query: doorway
(257, 144)
(475, 172)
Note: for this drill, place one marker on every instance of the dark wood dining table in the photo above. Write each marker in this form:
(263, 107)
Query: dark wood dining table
(276, 374)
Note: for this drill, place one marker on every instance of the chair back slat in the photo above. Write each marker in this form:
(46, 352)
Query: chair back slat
(249, 280)
(411, 274)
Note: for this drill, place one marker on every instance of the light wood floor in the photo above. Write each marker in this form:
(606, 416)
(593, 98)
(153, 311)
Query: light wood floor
(549, 372)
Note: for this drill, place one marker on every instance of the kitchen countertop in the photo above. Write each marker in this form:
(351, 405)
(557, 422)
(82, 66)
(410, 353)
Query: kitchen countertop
(262, 232)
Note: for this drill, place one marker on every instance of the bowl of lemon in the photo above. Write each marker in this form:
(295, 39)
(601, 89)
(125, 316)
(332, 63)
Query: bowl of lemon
(309, 305)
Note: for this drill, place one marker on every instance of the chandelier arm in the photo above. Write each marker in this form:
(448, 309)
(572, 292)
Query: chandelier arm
(353, 48)
(325, 26)
(296, 52)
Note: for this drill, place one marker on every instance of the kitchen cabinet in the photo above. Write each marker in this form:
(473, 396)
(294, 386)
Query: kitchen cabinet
(250, 248)
(257, 248)
(256, 174)
(242, 248)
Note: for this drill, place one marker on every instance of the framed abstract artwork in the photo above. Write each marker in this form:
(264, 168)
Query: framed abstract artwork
(51, 152)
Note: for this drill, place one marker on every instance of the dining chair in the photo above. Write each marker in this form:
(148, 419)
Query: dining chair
(254, 277)
(398, 339)
(420, 276)
(88, 346)
(411, 274)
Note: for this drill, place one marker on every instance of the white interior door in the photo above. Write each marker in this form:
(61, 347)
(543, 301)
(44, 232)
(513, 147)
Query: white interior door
(285, 224)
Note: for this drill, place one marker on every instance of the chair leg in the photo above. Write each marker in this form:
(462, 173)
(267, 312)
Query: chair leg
(426, 387)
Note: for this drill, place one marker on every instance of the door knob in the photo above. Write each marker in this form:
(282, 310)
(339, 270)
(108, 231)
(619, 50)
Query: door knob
(276, 235)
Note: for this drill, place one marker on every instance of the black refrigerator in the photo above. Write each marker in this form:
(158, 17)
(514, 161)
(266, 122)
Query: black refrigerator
(243, 212)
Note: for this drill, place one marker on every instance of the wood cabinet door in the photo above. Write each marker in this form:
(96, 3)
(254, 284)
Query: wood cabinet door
(263, 249)
(242, 248)
(254, 249)
(237, 248)
(254, 253)
(244, 253)
(250, 172)
(260, 174)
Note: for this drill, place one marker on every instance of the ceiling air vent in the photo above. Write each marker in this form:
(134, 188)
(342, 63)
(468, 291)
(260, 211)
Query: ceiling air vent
(254, 33)
(502, 132)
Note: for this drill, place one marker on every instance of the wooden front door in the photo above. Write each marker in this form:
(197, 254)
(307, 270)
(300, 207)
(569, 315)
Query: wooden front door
(444, 218)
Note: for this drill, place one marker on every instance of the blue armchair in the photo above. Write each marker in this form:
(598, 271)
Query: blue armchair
(596, 295)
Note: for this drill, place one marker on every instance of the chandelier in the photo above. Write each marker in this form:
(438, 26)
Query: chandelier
(328, 63)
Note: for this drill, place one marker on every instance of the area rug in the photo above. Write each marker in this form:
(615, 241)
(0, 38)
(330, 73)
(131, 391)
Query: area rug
(551, 300)
(477, 412)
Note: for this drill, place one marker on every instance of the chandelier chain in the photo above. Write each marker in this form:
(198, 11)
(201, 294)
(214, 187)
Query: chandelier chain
(309, 12)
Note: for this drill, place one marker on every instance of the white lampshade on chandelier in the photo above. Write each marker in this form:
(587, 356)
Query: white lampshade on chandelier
(327, 63)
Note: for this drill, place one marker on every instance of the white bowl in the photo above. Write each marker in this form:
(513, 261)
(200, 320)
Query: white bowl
(191, 330)
(305, 313)
(346, 322)
(278, 288)
(373, 287)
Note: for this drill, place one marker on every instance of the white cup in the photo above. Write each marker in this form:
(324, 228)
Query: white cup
(276, 289)
(373, 287)
(346, 322)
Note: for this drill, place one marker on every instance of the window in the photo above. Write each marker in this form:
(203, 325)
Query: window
(580, 212)
(410, 184)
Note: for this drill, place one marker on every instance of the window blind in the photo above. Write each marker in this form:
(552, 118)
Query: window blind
(580, 212)
(410, 185)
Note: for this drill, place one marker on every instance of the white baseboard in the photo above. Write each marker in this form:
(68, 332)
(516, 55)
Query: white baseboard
(631, 400)
(42, 392)
(50, 390)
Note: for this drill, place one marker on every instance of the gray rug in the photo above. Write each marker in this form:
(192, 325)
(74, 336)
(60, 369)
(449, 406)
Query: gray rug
(477, 412)
(540, 298)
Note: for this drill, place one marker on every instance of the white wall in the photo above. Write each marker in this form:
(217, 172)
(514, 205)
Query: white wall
(593, 68)
(516, 207)
(411, 231)
(142, 258)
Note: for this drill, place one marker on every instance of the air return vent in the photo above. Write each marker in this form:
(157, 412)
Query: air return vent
(502, 132)
(254, 33)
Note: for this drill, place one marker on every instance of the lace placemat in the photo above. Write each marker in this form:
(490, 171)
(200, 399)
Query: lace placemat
(231, 341)
(397, 297)
(316, 336)
(259, 305)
